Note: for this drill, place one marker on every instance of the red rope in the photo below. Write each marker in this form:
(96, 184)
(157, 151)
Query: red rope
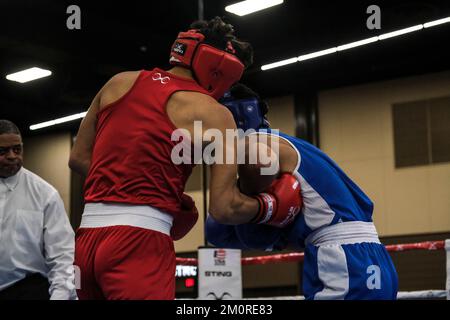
(299, 256)
(428, 245)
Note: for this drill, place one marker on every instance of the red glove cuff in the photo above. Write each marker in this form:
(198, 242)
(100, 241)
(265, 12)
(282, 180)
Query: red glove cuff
(267, 207)
(281, 203)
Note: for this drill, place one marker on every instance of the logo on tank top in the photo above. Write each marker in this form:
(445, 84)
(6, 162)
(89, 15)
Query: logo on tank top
(158, 77)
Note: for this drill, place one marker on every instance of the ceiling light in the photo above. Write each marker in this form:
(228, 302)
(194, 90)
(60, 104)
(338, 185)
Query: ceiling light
(58, 121)
(279, 64)
(436, 22)
(29, 75)
(357, 43)
(249, 6)
(400, 32)
(316, 54)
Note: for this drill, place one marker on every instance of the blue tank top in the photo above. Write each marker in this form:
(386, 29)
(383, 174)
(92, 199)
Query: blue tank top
(329, 195)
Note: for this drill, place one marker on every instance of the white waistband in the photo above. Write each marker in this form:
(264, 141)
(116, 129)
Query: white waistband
(344, 233)
(99, 215)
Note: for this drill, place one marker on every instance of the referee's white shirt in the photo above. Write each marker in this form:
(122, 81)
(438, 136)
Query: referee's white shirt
(35, 234)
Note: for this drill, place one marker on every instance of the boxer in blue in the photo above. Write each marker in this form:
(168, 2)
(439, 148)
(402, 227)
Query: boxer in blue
(344, 258)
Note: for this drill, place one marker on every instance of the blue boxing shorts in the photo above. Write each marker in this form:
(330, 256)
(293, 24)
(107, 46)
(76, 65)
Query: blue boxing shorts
(347, 261)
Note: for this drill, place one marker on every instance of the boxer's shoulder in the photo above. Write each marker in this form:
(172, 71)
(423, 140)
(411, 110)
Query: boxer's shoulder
(126, 78)
(198, 102)
(196, 106)
(193, 97)
(117, 86)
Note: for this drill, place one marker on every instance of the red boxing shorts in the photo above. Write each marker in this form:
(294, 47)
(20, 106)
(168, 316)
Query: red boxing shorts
(125, 263)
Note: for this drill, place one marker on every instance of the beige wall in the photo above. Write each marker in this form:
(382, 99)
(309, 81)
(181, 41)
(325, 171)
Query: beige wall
(282, 114)
(356, 131)
(47, 156)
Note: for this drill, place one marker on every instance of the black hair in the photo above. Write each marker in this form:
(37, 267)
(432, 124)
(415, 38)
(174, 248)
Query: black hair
(218, 33)
(241, 91)
(7, 127)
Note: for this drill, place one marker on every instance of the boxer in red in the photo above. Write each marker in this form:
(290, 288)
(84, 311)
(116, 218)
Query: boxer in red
(134, 192)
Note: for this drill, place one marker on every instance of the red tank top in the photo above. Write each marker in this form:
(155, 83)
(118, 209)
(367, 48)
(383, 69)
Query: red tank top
(131, 158)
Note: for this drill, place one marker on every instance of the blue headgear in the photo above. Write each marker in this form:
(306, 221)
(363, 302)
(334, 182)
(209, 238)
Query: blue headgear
(246, 112)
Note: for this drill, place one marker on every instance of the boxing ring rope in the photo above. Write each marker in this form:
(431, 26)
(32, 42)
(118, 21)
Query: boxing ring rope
(299, 256)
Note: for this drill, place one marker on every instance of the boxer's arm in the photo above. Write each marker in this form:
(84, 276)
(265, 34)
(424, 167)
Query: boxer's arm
(227, 204)
(80, 155)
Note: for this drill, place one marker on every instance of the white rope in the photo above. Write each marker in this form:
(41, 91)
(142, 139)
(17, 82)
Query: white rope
(426, 294)
(402, 295)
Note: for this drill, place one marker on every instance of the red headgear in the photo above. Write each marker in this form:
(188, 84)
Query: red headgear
(214, 69)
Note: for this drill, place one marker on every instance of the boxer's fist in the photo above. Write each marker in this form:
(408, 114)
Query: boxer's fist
(281, 203)
(184, 221)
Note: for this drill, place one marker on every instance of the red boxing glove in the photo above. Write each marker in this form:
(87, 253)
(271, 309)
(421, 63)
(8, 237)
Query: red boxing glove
(184, 221)
(281, 203)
